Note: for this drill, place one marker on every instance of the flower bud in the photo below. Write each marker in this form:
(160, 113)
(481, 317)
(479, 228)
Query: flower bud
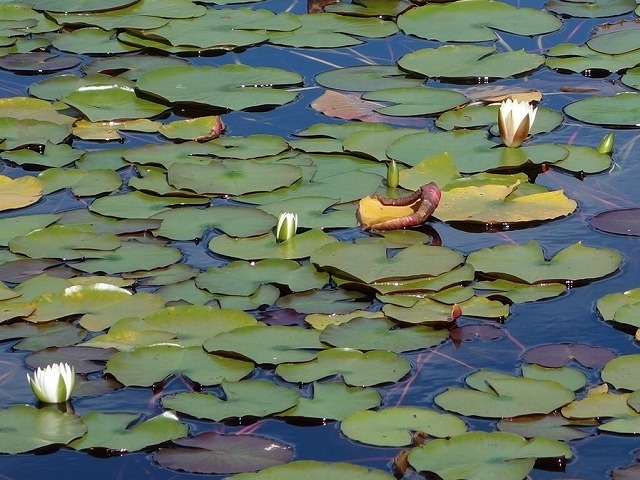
(393, 174)
(515, 120)
(606, 144)
(287, 226)
(54, 383)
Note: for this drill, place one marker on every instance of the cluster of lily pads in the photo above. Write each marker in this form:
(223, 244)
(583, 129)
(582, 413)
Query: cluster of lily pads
(312, 324)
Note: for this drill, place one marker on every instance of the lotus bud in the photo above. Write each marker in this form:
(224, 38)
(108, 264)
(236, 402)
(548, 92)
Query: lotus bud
(54, 383)
(287, 226)
(393, 174)
(606, 144)
(515, 120)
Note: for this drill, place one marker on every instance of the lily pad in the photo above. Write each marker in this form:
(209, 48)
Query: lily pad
(504, 396)
(112, 431)
(621, 372)
(581, 58)
(145, 366)
(559, 354)
(334, 400)
(590, 9)
(483, 455)
(329, 30)
(314, 470)
(621, 307)
(235, 87)
(365, 78)
(413, 101)
(356, 368)
(28, 428)
(527, 263)
(381, 334)
(256, 398)
(19, 192)
(474, 21)
(393, 427)
(244, 278)
(466, 61)
(619, 110)
(267, 345)
(211, 452)
(622, 222)
(370, 262)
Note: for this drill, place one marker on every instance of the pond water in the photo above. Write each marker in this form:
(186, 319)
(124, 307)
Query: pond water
(570, 318)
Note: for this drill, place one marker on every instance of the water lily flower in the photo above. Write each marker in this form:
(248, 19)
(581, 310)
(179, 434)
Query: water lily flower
(54, 383)
(287, 226)
(515, 120)
(606, 144)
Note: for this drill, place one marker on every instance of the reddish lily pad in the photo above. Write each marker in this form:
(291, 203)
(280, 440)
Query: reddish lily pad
(623, 222)
(211, 452)
(559, 354)
(38, 62)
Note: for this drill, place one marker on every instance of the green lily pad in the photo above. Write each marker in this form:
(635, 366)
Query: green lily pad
(416, 100)
(474, 21)
(38, 62)
(328, 30)
(331, 302)
(483, 455)
(621, 372)
(527, 263)
(621, 307)
(300, 245)
(20, 133)
(365, 78)
(83, 183)
(553, 426)
(244, 278)
(267, 345)
(370, 262)
(185, 325)
(145, 366)
(112, 431)
(428, 311)
(335, 401)
(81, 6)
(64, 242)
(256, 398)
(100, 304)
(590, 9)
(28, 428)
(393, 427)
(235, 87)
(504, 396)
(581, 58)
(91, 41)
(380, 334)
(139, 205)
(41, 336)
(54, 88)
(611, 409)
(232, 177)
(369, 8)
(11, 227)
(224, 29)
(465, 61)
(618, 110)
(314, 212)
(133, 66)
(52, 156)
(566, 376)
(356, 368)
(112, 102)
(518, 292)
(314, 470)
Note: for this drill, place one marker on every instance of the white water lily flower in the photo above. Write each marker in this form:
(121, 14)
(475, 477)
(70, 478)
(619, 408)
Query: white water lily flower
(54, 383)
(287, 226)
(515, 120)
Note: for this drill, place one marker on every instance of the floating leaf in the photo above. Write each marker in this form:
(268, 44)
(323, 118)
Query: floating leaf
(394, 427)
(619, 110)
(112, 431)
(416, 100)
(370, 262)
(559, 354)
(355, 367)
(590, 9)
(334, 401)
(230, 86)
(504, 396)
(553, 426)
(314, 470)
(480, 455)
(621, 372)
(28, 428)
(465, 61)
(621, 307)
(621, 222)
(19, 192)
(145, 366)
(256, 398)
(528, 263)
(474, 21)
(267, 345)
(210, 453)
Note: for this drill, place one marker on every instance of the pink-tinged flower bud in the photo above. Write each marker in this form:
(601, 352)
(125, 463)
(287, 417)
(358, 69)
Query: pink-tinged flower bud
(515, 120)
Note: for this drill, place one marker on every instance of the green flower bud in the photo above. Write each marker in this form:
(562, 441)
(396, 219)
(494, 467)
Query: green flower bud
(606, 144)
(393, 174)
